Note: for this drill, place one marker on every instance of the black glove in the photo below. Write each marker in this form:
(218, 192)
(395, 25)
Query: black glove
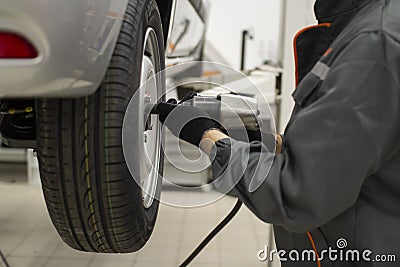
(186, 122)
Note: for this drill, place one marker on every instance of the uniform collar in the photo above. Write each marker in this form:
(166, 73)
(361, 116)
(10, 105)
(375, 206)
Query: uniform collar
(328, 10)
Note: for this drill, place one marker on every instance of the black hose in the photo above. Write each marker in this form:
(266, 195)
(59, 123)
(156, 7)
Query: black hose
(213, 233)
(4, 259)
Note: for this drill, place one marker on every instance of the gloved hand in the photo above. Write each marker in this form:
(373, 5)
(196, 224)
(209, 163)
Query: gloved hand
(186, 122)
(245, 135)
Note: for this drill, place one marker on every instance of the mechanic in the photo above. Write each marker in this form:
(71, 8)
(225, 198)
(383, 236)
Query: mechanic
(336, 171)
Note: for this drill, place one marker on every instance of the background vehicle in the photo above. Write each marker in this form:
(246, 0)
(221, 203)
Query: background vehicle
(67, 72)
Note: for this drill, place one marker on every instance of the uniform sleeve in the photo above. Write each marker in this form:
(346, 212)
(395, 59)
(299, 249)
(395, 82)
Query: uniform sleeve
(331, 146)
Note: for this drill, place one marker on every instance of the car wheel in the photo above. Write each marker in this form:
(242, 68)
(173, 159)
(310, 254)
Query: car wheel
(92, 198)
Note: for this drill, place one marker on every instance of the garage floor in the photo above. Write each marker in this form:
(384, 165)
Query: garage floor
(28, 239)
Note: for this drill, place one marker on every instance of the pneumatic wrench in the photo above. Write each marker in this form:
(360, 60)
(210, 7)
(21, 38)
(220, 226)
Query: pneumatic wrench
(233, 112)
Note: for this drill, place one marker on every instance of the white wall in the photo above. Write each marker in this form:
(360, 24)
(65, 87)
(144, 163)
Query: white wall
(229, 18)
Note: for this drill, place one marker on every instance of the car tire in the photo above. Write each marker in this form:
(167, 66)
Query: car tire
(91, 196)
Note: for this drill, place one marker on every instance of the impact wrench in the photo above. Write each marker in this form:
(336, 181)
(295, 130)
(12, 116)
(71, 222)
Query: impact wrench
(233, 112)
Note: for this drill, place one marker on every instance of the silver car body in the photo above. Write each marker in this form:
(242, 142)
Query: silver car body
(186, 33)
(75, 40)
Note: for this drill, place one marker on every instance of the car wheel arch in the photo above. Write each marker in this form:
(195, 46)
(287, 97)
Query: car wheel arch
(165, 7)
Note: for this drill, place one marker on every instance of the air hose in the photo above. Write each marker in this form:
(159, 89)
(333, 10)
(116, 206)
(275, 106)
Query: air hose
(213, 233)
(4, 259)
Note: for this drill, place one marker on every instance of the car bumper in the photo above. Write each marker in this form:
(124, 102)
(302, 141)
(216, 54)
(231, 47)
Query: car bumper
(74, 39)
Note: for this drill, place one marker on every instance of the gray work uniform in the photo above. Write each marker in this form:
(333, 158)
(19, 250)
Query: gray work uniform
(338, 177)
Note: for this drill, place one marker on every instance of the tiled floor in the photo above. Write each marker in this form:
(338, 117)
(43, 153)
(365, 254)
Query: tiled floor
(28, 239)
